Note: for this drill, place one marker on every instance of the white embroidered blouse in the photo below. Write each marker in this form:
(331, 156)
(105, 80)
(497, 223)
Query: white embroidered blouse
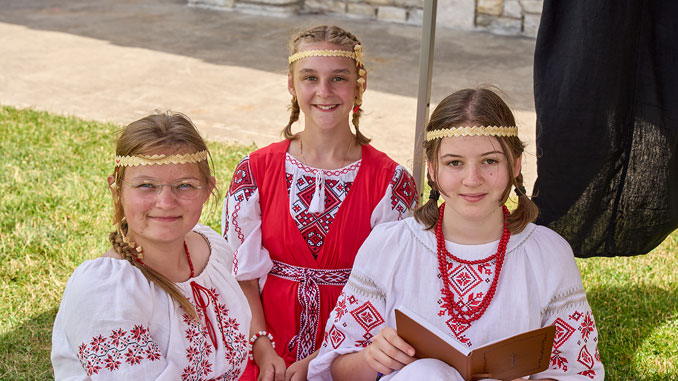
(315, 197)
(539, 285)
(115, 324)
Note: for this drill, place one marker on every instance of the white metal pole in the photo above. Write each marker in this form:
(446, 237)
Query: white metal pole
(424, 92)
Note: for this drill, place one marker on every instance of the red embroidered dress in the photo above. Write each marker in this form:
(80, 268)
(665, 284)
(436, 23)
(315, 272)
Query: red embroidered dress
(305, 256)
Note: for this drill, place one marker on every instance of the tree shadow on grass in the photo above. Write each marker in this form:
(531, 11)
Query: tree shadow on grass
(25, 351)
(626, 317)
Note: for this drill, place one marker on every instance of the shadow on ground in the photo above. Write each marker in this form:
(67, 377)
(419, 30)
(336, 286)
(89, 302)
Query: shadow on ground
(25, 351)
(625, 319)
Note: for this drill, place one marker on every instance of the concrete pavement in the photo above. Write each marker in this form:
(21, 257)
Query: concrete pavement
(118, 60)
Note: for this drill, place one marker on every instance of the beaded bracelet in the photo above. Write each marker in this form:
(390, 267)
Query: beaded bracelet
(254, 338)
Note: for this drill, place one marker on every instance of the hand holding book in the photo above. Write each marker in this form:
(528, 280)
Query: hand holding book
(508, 359)
(388, 352)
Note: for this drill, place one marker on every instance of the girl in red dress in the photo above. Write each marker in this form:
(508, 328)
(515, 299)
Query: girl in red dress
(298, 210)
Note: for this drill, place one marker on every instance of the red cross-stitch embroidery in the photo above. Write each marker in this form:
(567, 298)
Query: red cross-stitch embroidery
(587, 326)
(585, 357)
(315, 226)
(242, 184)
(340, 309)
(200, 349)
(563, 332)
(404, 193)
(120, 347)
(236, 227)
(367, 316)
(336, 337)
(557, 361)
(469, 283)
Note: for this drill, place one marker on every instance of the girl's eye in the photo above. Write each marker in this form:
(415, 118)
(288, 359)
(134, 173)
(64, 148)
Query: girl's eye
(337, 79)
(454, 163)
(185, 186)
(146, 186)
(310, 78)
(490, 161)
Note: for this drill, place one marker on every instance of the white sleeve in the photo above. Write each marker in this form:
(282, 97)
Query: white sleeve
(575, 349)
(101, 331)
(399, 200)
(357, 317)
(574, 355)
(241, 225)
(361, 310)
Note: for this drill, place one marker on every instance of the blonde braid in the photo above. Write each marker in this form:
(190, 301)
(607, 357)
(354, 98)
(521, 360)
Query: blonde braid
(128, 253)
(294, 116)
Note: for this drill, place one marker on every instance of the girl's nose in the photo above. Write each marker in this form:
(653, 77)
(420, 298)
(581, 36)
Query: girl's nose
(324, 88)
(165, 196)
(472, 176)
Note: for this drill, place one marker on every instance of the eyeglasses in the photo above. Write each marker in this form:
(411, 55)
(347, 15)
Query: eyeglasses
(184, 189)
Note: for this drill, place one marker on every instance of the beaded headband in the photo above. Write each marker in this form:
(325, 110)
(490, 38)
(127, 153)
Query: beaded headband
(135, 161)
(472, 131)
(356, 55)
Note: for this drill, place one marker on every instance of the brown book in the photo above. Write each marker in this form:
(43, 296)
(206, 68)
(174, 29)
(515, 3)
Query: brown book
(521, 355)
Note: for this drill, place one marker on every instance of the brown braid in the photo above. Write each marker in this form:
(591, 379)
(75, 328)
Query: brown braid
(427, 214)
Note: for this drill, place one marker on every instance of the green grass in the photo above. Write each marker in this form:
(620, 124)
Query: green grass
(55, 212)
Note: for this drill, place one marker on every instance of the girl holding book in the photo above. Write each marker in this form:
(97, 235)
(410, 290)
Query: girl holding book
(473, 269)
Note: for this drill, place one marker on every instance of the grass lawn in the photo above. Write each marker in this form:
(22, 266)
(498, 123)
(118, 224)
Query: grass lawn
(55, 212)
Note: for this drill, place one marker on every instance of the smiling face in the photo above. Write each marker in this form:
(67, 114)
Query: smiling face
(472, 176)
(325, 87)
(161, 216)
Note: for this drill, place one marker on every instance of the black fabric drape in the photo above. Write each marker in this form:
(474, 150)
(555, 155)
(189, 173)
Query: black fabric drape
(606, 95)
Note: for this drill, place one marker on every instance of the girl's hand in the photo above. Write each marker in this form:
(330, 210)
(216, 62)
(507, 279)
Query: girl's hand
(388, 352)
(271, 366)
(298, 370)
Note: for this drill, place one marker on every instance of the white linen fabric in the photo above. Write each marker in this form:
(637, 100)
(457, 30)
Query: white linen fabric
(308, 189)
(115, 324)
(539, 285)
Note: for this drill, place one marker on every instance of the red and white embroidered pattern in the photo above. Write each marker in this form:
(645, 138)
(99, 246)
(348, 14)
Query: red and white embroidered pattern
(404, 192)
(120, 348)
(579, 331)
(369, 318)
(469, 283)
(315, 226)
(200, 349)
(242, 184)
(308, 296)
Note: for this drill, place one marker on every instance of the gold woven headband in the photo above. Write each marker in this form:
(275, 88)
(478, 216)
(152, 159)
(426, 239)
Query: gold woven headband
(134, 161)
(472, 131)
(356, 54)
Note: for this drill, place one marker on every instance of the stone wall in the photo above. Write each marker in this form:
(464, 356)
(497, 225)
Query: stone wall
(507, 17)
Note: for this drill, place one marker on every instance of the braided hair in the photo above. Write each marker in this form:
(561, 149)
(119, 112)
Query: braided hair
(155, 132)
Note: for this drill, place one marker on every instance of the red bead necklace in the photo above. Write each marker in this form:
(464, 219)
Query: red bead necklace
(473, 313)
(188, 256)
